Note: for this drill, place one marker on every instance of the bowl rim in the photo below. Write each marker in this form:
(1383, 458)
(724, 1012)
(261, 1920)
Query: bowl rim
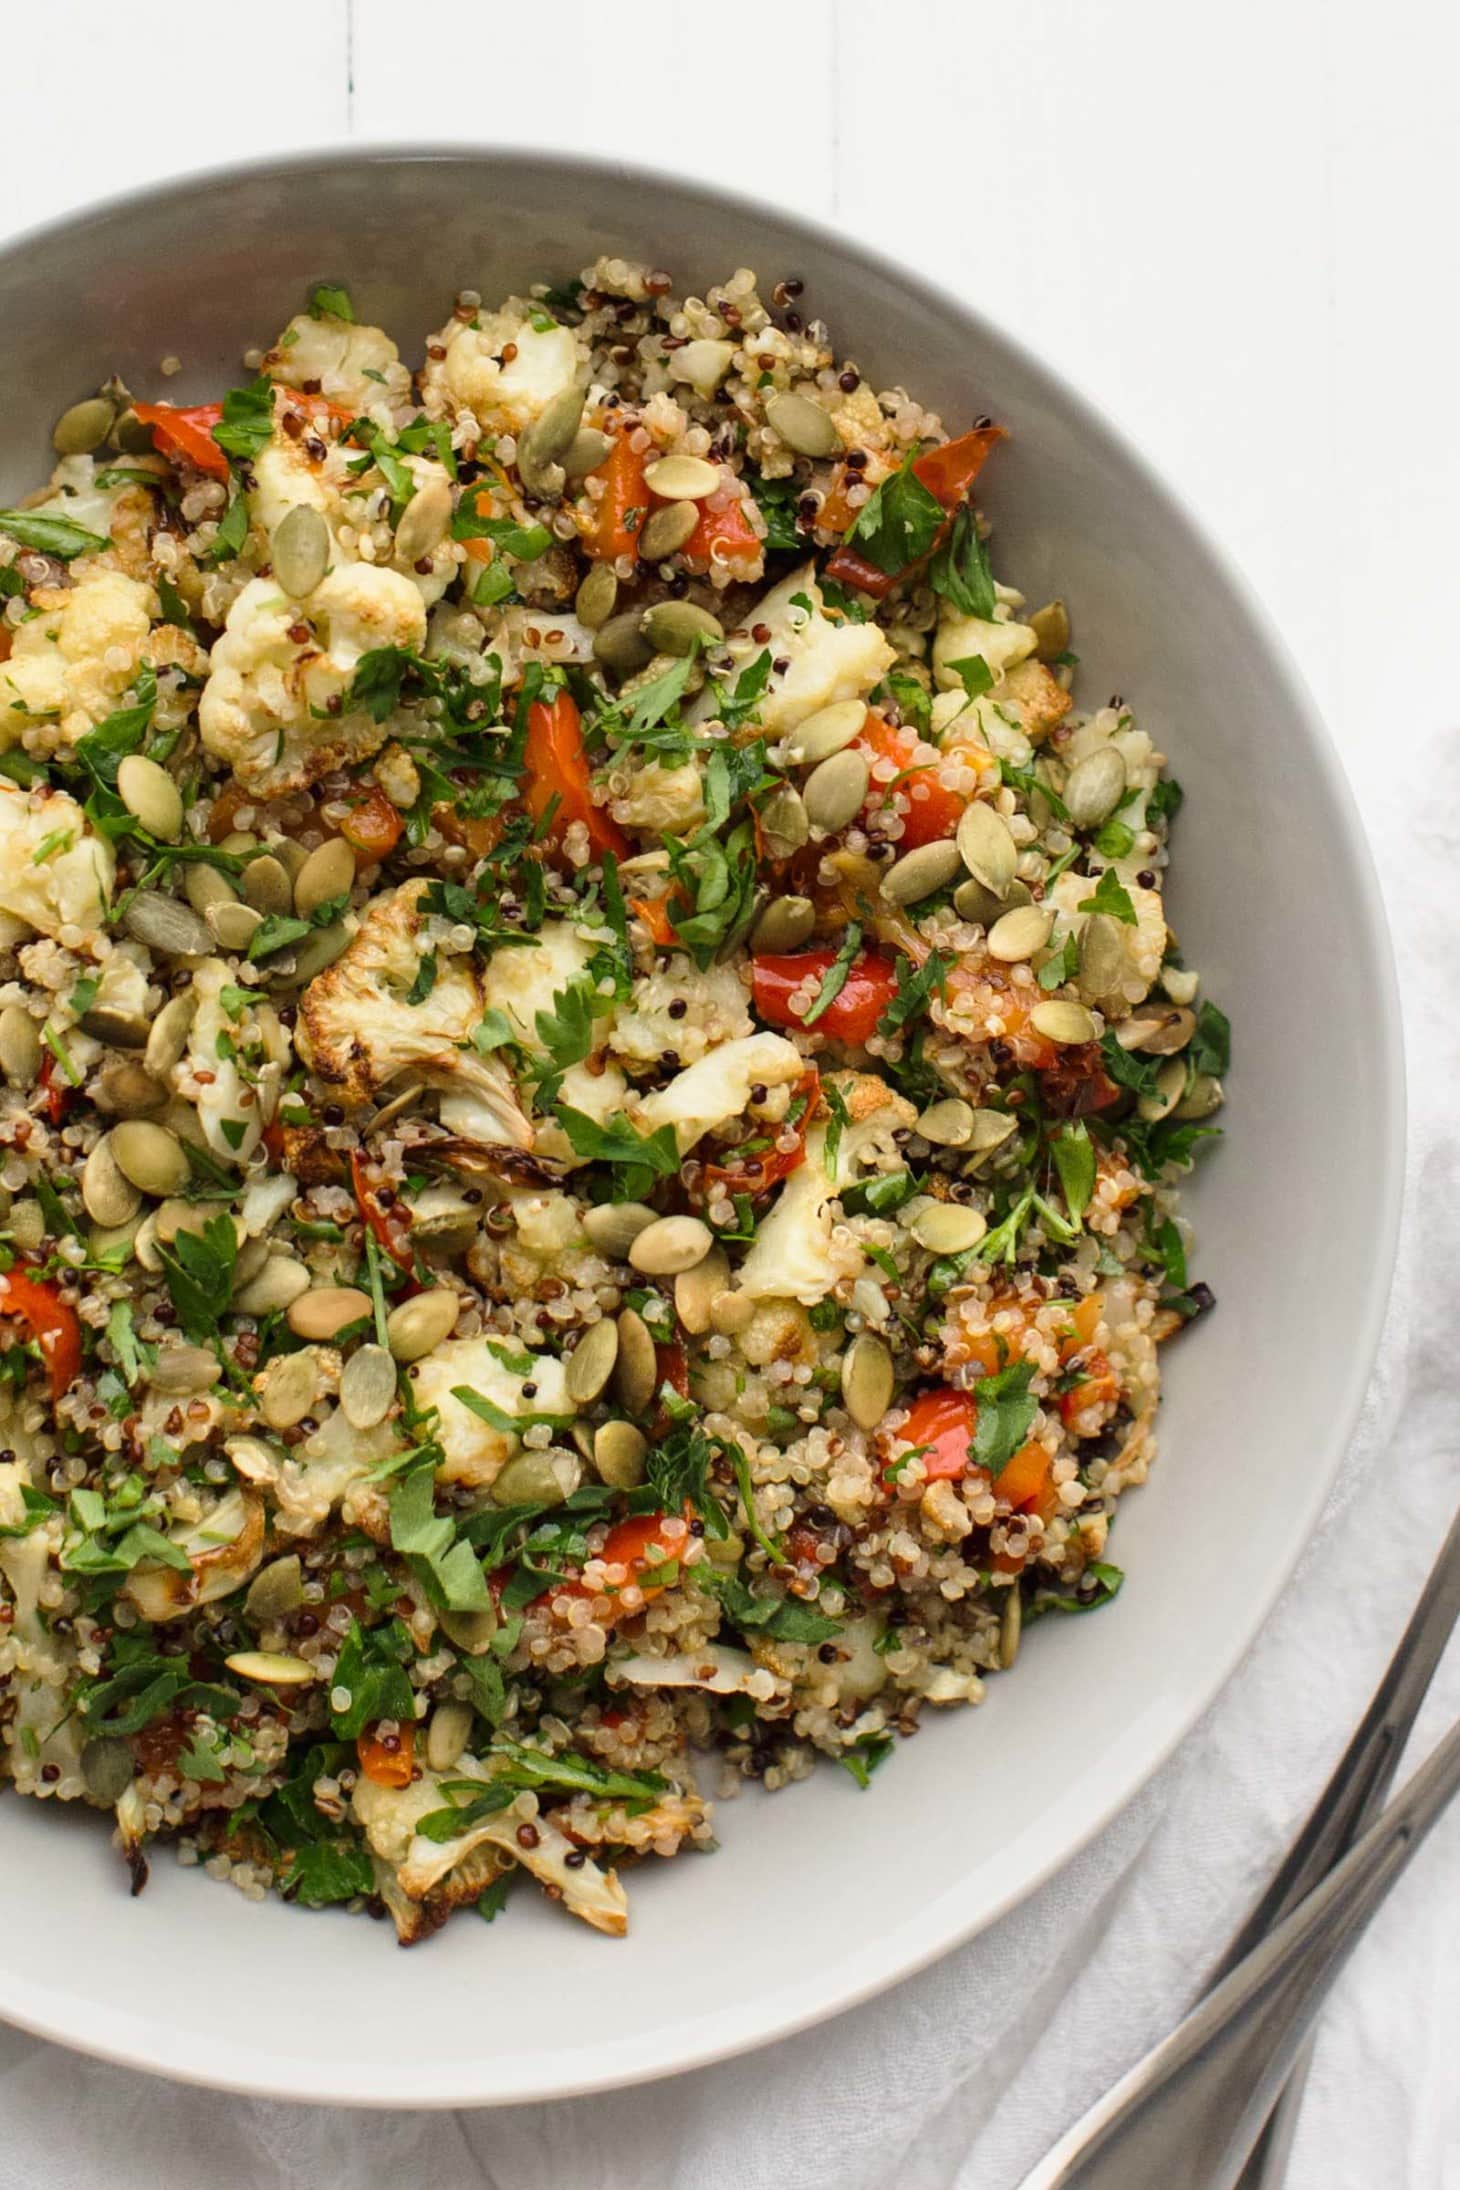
(784, 2011)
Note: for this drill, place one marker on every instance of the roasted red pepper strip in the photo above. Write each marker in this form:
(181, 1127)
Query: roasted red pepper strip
(758, 1172)
(387, 1767)
(374, 827)
(727, 529)
(57, 1094)
(388, 1222)
(188, 433)
(944, 1421)
(933, 812)
(852, 1014)
(947, 472)
(613, 529)
(557, 767)
(53, 1325)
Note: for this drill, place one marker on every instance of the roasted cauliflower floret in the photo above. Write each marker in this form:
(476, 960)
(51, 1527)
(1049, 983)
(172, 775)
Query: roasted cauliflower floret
(54, 873)
(77, 658)
(526, 979)
(1000, 644)
(801, 1252)
(475, 1451)
(647, 1027)
(825, 661)
(503, 392)
(357, 1031)
(353, 366)
(228, 1105)
(264, 708)
(717, 1088)
(285, 474)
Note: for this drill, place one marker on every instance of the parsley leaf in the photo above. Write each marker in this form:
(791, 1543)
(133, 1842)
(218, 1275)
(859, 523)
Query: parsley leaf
(1211, 1048)
(448, 1567)
(1074, 1160)
(369, 1671)
(325, 1871)
(45, 534)
(899, 523)
(961, 571)
(1110, 897)
(1099, 1583)
(1005, 1411)
(637, 1159)
(102, 750)
(974, 674)
(199, 1272)
(247, 424)
(915, 989)
(784, 1619)
(865, 1756)
(331, 300)
(834, 980)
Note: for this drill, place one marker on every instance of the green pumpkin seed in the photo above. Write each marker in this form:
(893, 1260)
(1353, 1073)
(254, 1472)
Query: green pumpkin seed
(425, 522)
(109, 1196)
(234, 925)
(204, 887)
(106, 1767)
(300, 550)
(1094, 787)
(168, 1037)
(118, 1029)
(318, 950)
(971, 901)
(991, 1128)
(636, 1372)
(802, 424)
(149, 793)
(276, 1590)
(266, 886)
(271, 1669)
(150, 1156)
(682, 478)
(290, 1391)
(619, 1453)
(131, 435)
(328, 873)
(596, 597)
(125, 1090)
(919, 873)
(326, 1310)
(1169, 1089)
(448, 1734)
(176, 1215)
(1157, 1030)
(947, 1124)
(588, 450)
(664, 531)
(1065, 1023)
(1017, 935)
(1203, 1096)
(591, 1363)
(417, 1327)
(947, 1227)
(986, 847)
(620, 644)
(165, 926)
(612, 1227)
(273, 1288)
(20, 1046)
(548, 439)
(669, 1245)
(678, 627)
(1103, 961)
(784, 821)
(1051, 628)
(536, 1479)
(84, 427)
(830, 730)
(695, 1289)
(731, 1313)
(1011, 1624)
(786, 923)
(180, 1372)
(367, 1387)
(868, 1380)
(836, 791)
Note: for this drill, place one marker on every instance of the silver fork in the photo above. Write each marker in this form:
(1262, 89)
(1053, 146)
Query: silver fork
(1213, 2107)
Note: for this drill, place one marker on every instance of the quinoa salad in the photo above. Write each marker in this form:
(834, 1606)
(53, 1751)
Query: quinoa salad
(593, 1079)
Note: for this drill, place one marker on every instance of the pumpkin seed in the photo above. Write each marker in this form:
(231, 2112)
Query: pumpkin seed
(84, 427)
(166, 926)
(239, 842)
(1157, 1031)
(204, 887)
(415, 1328)
(991, 1128)
(1103, 961)
(126, 1091)
(326, 1310)
(27, 1224)
(168, 1037)
(471, 1631)
(254, 1459)
(300, 550)
(947, 1227)
(536, 1479)
(118, 1029)
(731, 1313)
(174, 1216)
(1062, 1022)
(986, 847)
(149, 793)
(150, 1156)
(1051, 628)
(1203, 1096)
(108, 1239)
(785, 923)
(271, 1668)
(1169, 1089)
(546, 440)
(441, 1223)
(109, 1197)
(596, 597)
(664, 531)
(367, 1387)
(1017, 935)
(589, 448)
(234, 925)
(1011, 1624)
(802, 424)
(636, 1372)
(971, 901)
(620, 645)
(947, 1124)
(678, 627)
(281, 1281)
(266, 885)
(836, 791)
(671, 1244)
(919, 873)
(1095, 786)
(830, 730)
(590, 1364)
(132, 435)
(681, 478)
(318, 950)
(612, 1227)
(328, 873)
(106, 1767)
(784, 822)
(424, 522)
(182, 1370)
(20, 1046)
(448, 1734)
(276, 1590)
(867, 1380)
(619, 1452)
(252, 1255)
(695, 1289)
(289, 1391)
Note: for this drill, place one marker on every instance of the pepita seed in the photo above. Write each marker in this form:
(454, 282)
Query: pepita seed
(367, 1387)
(319, 949)
(425, 521)
(682, 478)
(125, 1090)
(695, 1289)
(1051, 627)
(1062, 1022)
(546, 440)
(802, 424)
(1095, 786)
(671, 1244)
(867, 1380)
(947, 1124)
(84, 427)
(991, 1128)
(150, 1156)
(276, 1590)
(118, 1029)
(20, 1046)
(289, 1391)
(636, 1372)
(947, 1227)
(106, 1767)
(168, 1037)
(271, 1668)
(731, 1313)
(300, 550)
(326, 1310)
(589, 449)
(835, 791)
(678, 627)
(830, 730)
(132, 435)
(448, 1734)
(417, 1327)
(149, 793)
(252, 1256)
(664, 531)
(1011, 1625)
(656, 667)
(1017, 935)
(612, 1227)
(204, 887)
(266, 885)
(1169, 1089)
(175, 1215)
(1203, 1097)
(238, 842)
(784, 821)
(110, 1198)
(166, 926)
(1103, 961)
(620, 645)
(986, 847)
(233, 925)
(928, 867)
(591, 1363)
(619, 1453)
(107, 1239)
(328, 873)
(27, 1224)
(536, 1479)
(1157, 1031)
(785, 923)
(596, 597)
(183, 1370)
(971, 901)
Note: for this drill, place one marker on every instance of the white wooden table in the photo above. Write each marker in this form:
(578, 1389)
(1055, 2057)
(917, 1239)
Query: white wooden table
(1231, 227)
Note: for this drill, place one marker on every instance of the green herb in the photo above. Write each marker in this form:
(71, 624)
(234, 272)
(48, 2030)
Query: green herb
(1115, 841)
(330, 300)
(369, 1671)
(834, 980)
(231, 534)
(446, 1566)
(323, 1872)
(865, 1756)
(565, 1029)
(880, 1196)
(961, 572)
(741, 1466)
(1074, 1160)
(174, 607)
(1002, 1243)
(1110, 898)
(1005, 1411)
(1165, 801)
(637, 1159)
(776, 500)
(784, 1619)
(400, 480)
(678, 1469)
(654, 700)
(1098, 1585)
(198, 1268)
(201, 1762)
(898, 524)
(1063, 965)
(132, 1354)
(102, 750)
(719, 881)
(247, 424)
(743, 705)
(916, 986)
(47, 535)
(525, 543)
(487, 1410)
(425, 980)
(974, 674)
(143, 1685)
(490, 1903)
(911, 699)
(1033, 785)
(839, 1121)
(1211, 1048)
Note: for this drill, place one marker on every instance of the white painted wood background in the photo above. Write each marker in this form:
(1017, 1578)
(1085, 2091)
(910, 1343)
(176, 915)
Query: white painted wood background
(1233, 227)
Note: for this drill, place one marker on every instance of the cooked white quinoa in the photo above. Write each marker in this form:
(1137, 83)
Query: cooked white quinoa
(593, 1069)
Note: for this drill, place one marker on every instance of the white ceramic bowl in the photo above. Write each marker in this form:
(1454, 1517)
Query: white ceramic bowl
(802, 1912)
